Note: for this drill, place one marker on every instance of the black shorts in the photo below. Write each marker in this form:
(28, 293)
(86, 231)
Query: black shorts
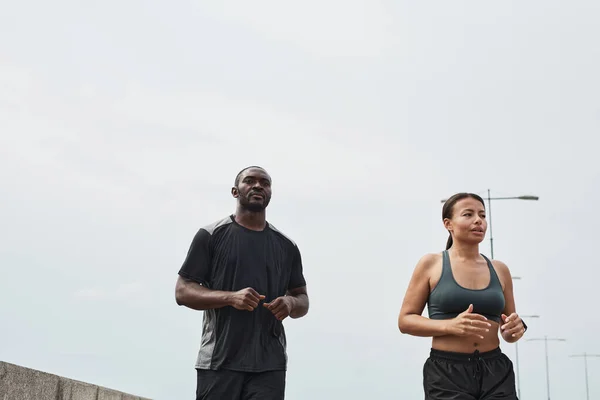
(234, 385)
(469, 376)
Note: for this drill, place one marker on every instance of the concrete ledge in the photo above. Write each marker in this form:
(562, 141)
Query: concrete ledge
(20, 383)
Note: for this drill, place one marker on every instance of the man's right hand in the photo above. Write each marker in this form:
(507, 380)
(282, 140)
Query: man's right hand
(246, 299)
(469, 324)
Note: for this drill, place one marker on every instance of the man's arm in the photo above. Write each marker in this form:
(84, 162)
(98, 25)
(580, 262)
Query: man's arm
(194, 276)
(294, 304)
(195, 296)
(299, 302)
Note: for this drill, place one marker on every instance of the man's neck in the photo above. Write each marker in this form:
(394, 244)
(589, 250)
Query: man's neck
(253, 220)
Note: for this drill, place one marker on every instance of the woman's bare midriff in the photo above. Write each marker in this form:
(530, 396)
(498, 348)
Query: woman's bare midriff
(469, 344)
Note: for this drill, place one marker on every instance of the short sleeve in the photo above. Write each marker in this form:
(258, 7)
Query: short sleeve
(297, 277)
(196, 266)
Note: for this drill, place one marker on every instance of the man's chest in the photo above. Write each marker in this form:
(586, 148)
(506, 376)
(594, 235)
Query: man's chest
(246, 261)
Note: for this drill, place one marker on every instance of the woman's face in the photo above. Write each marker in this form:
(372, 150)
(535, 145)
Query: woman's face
(468, 223)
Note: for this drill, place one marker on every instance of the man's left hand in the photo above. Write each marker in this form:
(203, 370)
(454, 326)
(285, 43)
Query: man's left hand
(281, 307)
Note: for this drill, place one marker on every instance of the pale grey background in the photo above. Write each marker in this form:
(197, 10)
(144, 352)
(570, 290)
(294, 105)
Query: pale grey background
(123, 124)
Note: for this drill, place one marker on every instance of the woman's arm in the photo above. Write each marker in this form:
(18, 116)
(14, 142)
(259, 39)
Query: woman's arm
(512, 328)
(410, 320)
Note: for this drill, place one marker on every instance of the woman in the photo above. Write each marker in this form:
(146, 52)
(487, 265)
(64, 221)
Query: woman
(469, 298)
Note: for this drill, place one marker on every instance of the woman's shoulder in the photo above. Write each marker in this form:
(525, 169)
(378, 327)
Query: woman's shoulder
(501, 269)
(429, 261)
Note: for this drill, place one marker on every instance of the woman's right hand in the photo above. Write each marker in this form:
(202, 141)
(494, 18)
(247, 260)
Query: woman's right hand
(468, 323)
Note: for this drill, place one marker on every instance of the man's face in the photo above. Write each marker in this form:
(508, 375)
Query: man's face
(253, 190)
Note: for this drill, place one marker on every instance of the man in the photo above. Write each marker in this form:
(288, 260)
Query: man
(247, 277)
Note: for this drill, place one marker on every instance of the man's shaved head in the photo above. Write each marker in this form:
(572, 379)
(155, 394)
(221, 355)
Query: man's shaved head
(239, 175)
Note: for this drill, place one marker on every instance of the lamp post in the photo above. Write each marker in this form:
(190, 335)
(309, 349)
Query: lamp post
(489, 212)
(517, 357)
(546, 339)
(585, 357)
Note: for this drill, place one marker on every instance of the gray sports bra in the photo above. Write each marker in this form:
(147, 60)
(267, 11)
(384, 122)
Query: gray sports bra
(448, 298)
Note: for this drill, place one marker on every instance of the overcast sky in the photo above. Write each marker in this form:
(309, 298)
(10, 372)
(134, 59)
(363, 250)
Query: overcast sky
(123, 124)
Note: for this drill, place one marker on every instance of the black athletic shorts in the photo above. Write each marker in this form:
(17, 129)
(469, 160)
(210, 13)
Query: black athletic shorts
(469, 376)
(234, 385)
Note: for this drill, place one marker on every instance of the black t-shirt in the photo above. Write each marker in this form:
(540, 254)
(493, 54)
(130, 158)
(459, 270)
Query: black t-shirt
(226, 256)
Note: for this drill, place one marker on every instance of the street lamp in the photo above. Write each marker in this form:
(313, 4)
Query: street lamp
(546, 339)
(517, 357)
(489, 212)
(585, 357)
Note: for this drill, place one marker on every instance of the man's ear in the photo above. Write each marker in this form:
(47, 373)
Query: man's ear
(235, 192)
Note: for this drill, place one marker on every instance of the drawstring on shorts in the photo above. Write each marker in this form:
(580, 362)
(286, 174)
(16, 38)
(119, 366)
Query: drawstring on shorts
(479, 364)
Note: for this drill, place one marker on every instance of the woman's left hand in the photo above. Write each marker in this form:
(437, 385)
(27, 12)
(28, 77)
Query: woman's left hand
(513, 328)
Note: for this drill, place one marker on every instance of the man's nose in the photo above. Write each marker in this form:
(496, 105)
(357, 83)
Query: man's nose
(257, 185)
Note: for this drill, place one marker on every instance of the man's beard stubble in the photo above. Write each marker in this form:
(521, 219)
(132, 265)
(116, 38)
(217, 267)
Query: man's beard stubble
(247, 205)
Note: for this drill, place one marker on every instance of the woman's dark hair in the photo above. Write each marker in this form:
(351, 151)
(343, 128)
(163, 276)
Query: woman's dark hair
(448, 208)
